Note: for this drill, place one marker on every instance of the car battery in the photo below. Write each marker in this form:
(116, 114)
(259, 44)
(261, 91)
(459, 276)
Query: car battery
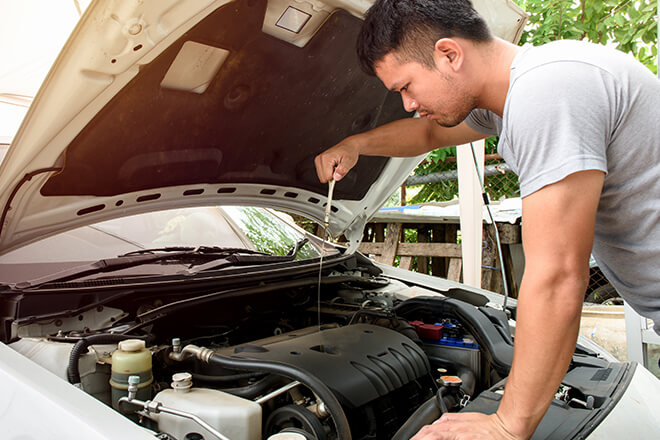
(447, 340)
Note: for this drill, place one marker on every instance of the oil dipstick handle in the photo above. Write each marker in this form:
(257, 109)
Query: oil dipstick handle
(328, 206)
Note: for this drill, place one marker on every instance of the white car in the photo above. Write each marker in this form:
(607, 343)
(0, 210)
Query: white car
(151, 287)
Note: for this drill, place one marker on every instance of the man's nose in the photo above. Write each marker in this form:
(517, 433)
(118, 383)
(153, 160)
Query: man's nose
(409, 103)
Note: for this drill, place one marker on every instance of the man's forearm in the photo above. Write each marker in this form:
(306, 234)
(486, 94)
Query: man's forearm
(403, 138)
(546, 332)
(411, 137)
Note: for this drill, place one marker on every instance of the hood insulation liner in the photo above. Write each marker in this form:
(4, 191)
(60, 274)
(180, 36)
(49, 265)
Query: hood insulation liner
(269, 109)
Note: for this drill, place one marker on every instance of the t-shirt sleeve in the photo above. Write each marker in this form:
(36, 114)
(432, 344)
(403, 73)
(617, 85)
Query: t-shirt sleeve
(484, 122)
(559, 122)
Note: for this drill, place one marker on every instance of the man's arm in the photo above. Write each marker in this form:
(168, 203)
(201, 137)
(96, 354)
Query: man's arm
(558, 229)
(404, 138)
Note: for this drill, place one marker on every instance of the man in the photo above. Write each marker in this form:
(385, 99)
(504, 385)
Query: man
(580, 125)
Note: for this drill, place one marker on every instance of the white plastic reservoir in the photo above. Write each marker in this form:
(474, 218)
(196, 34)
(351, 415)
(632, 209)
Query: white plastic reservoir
(234, 417)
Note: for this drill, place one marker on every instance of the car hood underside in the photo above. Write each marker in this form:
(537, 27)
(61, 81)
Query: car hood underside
(156, 105)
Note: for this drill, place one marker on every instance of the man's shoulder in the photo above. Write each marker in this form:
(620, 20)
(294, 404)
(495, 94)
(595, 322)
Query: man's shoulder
(568, 56)
(562, 71)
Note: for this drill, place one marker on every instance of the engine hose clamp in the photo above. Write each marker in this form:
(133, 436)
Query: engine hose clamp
(464, 401)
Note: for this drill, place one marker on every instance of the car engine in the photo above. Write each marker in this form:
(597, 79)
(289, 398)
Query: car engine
(272, 369)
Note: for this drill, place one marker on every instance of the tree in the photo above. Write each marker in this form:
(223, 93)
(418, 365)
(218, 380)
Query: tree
(629, 25)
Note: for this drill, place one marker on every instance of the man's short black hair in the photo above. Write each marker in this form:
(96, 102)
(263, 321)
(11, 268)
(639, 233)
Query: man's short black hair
(410, 28)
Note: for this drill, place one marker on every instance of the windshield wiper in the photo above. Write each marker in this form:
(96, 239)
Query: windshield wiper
(100, 266)
(221, 257)
(246, 260)
(187, 250)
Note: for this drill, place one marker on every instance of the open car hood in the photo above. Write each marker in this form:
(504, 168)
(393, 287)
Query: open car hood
(171, 103)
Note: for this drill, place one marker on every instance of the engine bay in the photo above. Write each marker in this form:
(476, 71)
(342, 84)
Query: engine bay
(367, 361)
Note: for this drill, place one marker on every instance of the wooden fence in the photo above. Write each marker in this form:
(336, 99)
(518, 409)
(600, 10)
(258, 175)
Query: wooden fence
(437, 250)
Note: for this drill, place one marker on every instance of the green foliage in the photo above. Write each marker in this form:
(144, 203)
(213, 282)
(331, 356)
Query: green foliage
(440, 191)
(436, 162)
(631, 26)
(502, 185)
(268, 234)
(441, 154)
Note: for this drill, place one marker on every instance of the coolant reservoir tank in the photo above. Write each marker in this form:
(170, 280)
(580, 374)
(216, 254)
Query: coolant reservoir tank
(232, 416)
(131, 359)
(292, 434)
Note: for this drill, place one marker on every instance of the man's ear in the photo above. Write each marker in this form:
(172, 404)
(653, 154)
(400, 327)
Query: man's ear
(448, 54)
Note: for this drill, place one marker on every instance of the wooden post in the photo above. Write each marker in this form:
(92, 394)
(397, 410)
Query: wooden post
(492, 279)
(405, 262)
(438, 266)
(509, 235)
(510, 276)
(451, 231)
(489, 258)
(455, 269)
(422, 237)
(391, 243)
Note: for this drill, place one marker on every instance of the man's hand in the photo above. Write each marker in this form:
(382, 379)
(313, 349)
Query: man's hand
(335, 162)
(475, 426)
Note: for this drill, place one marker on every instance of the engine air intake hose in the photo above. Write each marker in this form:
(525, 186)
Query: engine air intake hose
(225, 379)
(73, 372)
(430, 411)
(295, 373)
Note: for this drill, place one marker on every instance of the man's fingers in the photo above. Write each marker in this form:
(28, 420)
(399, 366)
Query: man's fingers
(329, 167)
(337, 161)
(430, 432)
(323, 169)
(448, 417)
(339, 172)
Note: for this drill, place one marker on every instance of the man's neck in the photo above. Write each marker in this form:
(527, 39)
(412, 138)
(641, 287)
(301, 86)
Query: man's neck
(493, 72)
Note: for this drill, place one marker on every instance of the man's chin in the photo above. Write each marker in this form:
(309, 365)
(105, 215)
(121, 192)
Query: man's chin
(449, 122)
(446, 124)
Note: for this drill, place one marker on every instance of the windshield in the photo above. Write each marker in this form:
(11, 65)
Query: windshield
(264, 230)
(208, 226)
(240, 227)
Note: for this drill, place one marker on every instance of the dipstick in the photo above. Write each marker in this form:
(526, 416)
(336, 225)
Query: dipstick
(328, 206)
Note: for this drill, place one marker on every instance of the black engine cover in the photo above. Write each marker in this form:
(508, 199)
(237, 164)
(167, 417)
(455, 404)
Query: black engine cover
(359, 363)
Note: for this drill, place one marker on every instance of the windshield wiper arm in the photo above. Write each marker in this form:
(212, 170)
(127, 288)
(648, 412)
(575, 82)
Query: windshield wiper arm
(240, 260)
(100, 266)
(208, 250)
(137, 258)
(293, 252)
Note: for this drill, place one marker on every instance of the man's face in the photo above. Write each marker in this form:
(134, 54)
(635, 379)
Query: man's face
(436, 95)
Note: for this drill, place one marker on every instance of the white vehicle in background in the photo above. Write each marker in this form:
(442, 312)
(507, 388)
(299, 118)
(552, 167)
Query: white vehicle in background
(151, 287)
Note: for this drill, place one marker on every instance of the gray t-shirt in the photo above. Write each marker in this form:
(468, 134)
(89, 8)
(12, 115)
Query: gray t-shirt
(574, 106)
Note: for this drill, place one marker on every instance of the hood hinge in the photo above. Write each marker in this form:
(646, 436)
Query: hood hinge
(354, 233)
